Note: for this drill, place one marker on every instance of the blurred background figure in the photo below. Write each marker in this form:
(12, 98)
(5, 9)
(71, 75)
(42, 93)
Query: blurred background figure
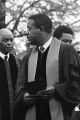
(77, 46)
(39, 67)
(64, 33)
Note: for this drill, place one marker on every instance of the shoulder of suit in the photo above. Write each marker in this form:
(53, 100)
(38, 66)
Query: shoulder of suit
(28, 53)
(17, 59)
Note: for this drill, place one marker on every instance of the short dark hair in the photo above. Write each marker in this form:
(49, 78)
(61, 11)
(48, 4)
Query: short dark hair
(42, 21)
(62, 29)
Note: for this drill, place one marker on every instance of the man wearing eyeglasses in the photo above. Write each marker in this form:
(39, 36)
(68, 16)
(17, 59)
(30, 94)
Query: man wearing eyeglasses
(8, 74)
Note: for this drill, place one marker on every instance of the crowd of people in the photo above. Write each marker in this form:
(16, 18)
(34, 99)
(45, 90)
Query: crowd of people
(45, 84)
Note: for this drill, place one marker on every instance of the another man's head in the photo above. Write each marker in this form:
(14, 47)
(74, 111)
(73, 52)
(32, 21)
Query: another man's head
(64, 33)
(39, 29)
(6, 40)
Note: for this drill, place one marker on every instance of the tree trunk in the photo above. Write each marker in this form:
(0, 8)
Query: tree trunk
(2, 14)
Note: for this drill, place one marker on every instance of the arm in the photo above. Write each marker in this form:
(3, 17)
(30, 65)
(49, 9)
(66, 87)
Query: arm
(69, 75)
(20, 105)
(73, 73)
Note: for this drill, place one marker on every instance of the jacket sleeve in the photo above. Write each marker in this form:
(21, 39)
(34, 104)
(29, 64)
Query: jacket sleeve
(71, 72)
(20, 106)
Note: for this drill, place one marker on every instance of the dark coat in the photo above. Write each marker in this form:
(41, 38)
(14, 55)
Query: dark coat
(68, 90)
(75, 115)
(69, 71)
(4, 88)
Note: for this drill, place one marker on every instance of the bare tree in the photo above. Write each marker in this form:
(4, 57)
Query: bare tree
(60, 11)
(2, 13)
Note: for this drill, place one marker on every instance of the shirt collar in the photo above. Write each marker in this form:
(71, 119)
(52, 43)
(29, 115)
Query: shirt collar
(3, 55)
(46, 45)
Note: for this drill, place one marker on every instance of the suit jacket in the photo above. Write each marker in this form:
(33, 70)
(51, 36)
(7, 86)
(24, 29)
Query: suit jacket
(65, 71)
(4, 87)
(76, 113)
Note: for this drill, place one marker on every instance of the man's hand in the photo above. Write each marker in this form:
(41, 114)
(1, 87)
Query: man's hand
(47, 93)
(29, 99)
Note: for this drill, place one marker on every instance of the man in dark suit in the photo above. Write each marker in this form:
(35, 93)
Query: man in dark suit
(49, 76)
(8, 74)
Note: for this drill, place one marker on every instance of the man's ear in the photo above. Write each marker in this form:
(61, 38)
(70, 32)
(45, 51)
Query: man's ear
(42, 28)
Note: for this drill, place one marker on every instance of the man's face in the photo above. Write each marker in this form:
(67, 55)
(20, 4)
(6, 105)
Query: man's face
(33, 33)
(6, 43)
(66, 37)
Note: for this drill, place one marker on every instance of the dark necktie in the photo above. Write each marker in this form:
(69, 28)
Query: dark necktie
(10, 87)
(40, 52)
(42, 106)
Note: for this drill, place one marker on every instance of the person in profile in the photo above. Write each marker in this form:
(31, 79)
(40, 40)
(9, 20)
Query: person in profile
(8, 74)
(48, 86)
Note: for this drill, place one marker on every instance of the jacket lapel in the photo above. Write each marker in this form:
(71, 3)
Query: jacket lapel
(52, 62)
(52, 75)
(31, 113)
(32, 65)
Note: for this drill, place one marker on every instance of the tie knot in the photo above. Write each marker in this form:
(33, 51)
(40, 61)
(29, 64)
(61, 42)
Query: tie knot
(6, 57)
(42, 49)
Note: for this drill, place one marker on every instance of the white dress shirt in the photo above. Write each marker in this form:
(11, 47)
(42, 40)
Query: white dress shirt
(47, 44)
(3, 55)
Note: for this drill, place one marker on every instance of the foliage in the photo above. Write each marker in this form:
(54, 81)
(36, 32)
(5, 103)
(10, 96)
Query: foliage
(60, 11)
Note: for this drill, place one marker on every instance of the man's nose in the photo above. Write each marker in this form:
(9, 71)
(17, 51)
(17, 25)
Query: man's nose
(28, 32)
(9, 42)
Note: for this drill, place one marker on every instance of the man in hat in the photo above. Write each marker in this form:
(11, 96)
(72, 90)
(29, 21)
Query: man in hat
(8, 74)
(50, 75)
